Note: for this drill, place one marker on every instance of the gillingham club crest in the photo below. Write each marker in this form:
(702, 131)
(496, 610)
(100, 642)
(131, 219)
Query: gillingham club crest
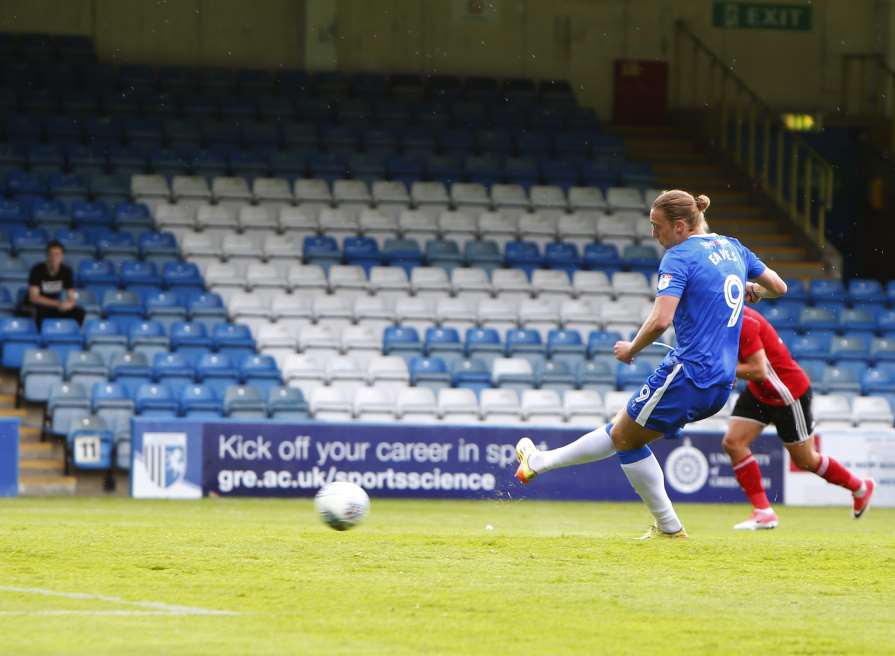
(164, 455)
(686, 468)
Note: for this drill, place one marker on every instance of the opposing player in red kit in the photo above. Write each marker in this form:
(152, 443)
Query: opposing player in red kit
(779, 393)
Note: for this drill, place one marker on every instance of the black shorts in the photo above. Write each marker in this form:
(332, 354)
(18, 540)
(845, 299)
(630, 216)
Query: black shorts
(794, 422)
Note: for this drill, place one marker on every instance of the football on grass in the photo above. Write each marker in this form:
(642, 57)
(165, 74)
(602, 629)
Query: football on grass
(342, 505)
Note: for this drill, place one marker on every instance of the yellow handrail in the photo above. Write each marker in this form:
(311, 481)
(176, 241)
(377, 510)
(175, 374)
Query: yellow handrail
(744, 126)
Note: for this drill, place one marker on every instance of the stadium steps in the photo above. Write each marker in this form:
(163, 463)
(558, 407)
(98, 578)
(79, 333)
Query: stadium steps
(41, 463)
(679, 162)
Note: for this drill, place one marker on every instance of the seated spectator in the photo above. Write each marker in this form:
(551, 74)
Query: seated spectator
(50, 286)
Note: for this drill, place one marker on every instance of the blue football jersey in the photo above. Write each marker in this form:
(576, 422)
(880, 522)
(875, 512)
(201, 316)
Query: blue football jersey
(708, 273)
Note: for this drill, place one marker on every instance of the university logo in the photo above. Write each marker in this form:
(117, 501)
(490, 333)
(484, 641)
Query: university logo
(686, 468)
(664, 281)
(164, 456)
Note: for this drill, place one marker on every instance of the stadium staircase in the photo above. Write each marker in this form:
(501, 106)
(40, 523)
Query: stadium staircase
(41, 463)
(678, 161)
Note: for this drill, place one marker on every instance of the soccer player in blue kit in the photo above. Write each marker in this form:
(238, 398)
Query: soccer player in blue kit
(703, 283)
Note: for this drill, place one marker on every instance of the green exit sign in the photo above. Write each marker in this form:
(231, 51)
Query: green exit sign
(755, 16)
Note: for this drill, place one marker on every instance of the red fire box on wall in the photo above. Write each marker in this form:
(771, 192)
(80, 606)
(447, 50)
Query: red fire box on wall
(641, 92)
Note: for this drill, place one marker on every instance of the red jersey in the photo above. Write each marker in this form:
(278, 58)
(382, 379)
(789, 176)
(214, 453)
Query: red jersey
(786, 380)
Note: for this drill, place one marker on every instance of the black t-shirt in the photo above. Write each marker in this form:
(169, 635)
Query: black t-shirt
(49, 285)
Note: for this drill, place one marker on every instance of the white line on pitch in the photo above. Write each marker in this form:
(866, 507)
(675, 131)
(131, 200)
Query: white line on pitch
(157, 606)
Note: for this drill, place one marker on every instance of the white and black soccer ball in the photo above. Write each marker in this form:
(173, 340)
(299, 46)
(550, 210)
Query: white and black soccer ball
(342, 505)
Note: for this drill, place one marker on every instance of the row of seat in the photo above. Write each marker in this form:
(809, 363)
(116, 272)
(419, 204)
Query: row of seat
(110, 338)
(346, 191)
(41, 369)
(270, 257)
(347, 161)
(70, 403)
(69, 142)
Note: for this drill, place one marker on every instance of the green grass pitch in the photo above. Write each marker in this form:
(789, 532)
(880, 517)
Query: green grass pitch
(427, 577)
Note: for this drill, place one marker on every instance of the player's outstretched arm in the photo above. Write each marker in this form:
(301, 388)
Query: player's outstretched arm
(768, 285)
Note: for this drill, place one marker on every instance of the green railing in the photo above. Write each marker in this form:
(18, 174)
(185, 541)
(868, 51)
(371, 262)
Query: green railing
(742, 125)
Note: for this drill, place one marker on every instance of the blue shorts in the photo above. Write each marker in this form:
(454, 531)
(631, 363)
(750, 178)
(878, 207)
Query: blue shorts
(669, 399)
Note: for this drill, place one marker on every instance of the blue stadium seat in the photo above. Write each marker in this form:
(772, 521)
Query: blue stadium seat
(148, 338)
(471, 374)
(783, 316)
(111, 403)
(62, 336)
(190, 339)
(443, 342)
(139, 274)
(182, 275)
(361, 251)
(85, 368)
(323, 251)
(443, 253)
(29, 242)
(155, 400)
(401, 340)
(67, 403)
(404, 253)
(556, 375)
(131, 370)
(482, 254)
(601, 342)
(287, 404)
(261, 372)
(863, 292)
(814, 346)
(879, 380)
(523, 255)
(596, 375)
(200, 402)
(843, 378)
(116, 247)
(882, 349)
(640, 258)
(242, 402)
(818, 318)
(158, 246)
(104, 338)
(18, 336)
(217, 371)
(174, 370)
(562, 256)
(207, 308)
(233, 340)
(601, 257)
(850, 347)
(526, 343)
(41, 370)
(67, 186)
(166, 308)
(122, 307)
(483, 344)
(95, 213)
(97, 274)
(828, 291)
(564, 345)
(858, 319)
(429, 372)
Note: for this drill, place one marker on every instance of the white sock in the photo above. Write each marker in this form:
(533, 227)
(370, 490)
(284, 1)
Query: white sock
(764, 511)
(596, 445)
(647, 478)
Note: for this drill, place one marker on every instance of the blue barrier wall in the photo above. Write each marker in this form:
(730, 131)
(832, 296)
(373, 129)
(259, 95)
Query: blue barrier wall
(9, 457)
(230, 458)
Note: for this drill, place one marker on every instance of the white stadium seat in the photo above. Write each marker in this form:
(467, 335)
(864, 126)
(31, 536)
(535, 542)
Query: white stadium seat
(272, 191)
(511, 284)
(624, 198)
(323, 340)
(347, 281)
(459, 226)
(312, 190)
(584, 408)
(509, 195)
(417, 404)
(330, 404)
(373, 404)
(388, 372)
(306, 372)
(225, 189)
(418, 225)
(458, 406)
(344, 371)
(586, 198)
(470, 194)
(193, 187)
(292, 311)
(542, 406)
(307, 277)
(470, 284)
(351, 191)
(548, 197)
(500, 406)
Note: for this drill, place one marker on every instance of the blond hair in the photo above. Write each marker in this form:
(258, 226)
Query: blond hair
(678, 205)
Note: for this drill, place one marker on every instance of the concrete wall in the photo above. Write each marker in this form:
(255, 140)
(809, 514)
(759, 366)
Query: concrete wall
(571, 39)
(230, 33)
